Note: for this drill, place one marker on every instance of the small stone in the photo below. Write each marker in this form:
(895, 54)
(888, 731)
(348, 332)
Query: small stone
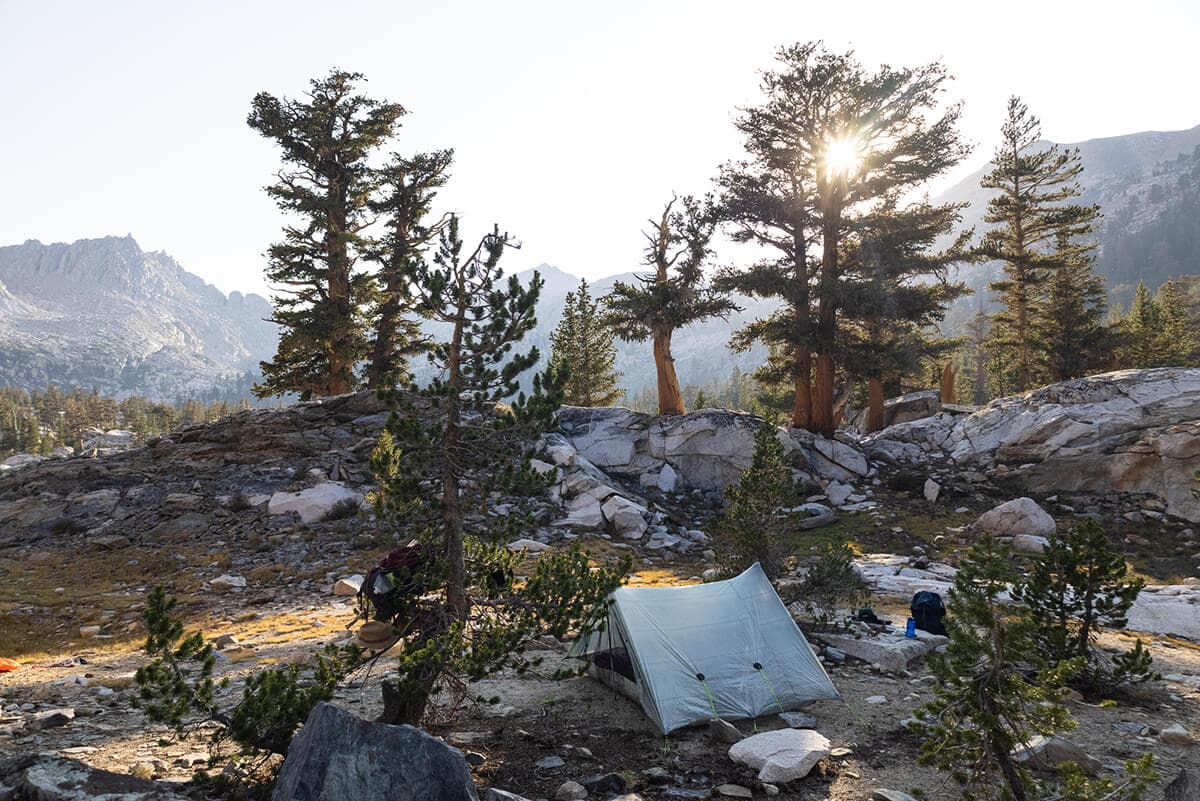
(50, 719)
(604, 785)
(883, 794)
(348, 586)
(550, 763)
(724, 732)
(89, 631)
(657, 775)
(734, 791)
(834, 655)
(570, 791)
(770, 790)
(932, 489)
(1176, 735)
(142, 770)
(877, 700)
(799, 720)
(229, 581)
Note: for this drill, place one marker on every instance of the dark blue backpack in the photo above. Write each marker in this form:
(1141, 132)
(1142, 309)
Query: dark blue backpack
(928, 611)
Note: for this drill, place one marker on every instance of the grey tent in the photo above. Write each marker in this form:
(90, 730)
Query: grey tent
(726, 649)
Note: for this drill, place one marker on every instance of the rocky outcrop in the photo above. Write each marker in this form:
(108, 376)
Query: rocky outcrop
(340, 755)
(1135, 431)
(706, 450)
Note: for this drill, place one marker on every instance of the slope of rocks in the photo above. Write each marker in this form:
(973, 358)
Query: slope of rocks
(1134, 431)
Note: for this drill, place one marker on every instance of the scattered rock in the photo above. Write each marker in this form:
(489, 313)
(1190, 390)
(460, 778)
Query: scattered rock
(782, 755)
(550, 763)
(50, 719)
(46, 777)
(313, 503)
(932, 490)
(526, 544)
(799, 720)
(604, 785)
(1018, 516)
(877, 700)
(723, 731)
(339, 755)
(1047, 753)
(348, 586)
(229, 581)
(570, 791)
(884, 794)
(1176, 735)
(1028, 543)
(733, 791)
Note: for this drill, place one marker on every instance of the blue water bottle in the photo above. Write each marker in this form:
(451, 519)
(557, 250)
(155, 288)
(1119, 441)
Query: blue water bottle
(910, 629)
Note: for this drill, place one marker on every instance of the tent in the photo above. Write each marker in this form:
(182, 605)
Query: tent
(726, 649)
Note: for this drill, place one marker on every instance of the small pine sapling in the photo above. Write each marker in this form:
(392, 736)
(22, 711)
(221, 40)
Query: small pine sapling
(177, 687)
(756, 523)
(1077, 588)
(832, 584)
(984, 705)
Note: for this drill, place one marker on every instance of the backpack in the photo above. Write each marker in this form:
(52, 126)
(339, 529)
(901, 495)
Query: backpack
(390, 584)
(928, 611)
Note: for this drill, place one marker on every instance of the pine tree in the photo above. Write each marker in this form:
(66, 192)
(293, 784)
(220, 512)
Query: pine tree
(972, 378)
(890, 319)
(441, 456)
(1036, 233)
(1078, 587)
(754, 527)
(1140, 332)
(583, 347)
(326, 140)
(1179, 329)
(984, 706)
(1069, 335)
(673, 296)
(829, 145)
(407, 187)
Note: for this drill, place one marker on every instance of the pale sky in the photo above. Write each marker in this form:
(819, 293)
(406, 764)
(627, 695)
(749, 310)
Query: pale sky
(572, 123)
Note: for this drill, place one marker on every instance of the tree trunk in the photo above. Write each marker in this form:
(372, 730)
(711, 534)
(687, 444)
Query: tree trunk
(452, 524)
(948, 384)
(802, 407)
(822, 414)
(874, 405)
(340, 347)
(670, 397)
(383, 357)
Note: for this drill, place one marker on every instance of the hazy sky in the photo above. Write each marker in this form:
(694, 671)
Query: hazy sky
(572, 122)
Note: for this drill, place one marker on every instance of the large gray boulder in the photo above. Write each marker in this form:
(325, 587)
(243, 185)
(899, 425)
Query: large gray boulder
(47, 777)
(906, 408)
(338, 755)
(1020, 516)
(1128, 431)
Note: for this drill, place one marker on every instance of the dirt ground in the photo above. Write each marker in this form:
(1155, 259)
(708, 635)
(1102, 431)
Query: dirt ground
(594, 729)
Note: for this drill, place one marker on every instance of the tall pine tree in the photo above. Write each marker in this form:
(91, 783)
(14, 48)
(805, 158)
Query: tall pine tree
(443, 453)
(326, 139)
(406, 189)
(889, 329)
(673, 296)
(1070, 337)
(1036, 233)
(1140, 332)
(1179, 335)
(831, 143)
(582, 346)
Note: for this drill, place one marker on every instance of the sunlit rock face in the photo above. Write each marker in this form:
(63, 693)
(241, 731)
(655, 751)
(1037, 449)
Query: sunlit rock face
(1128, 431)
